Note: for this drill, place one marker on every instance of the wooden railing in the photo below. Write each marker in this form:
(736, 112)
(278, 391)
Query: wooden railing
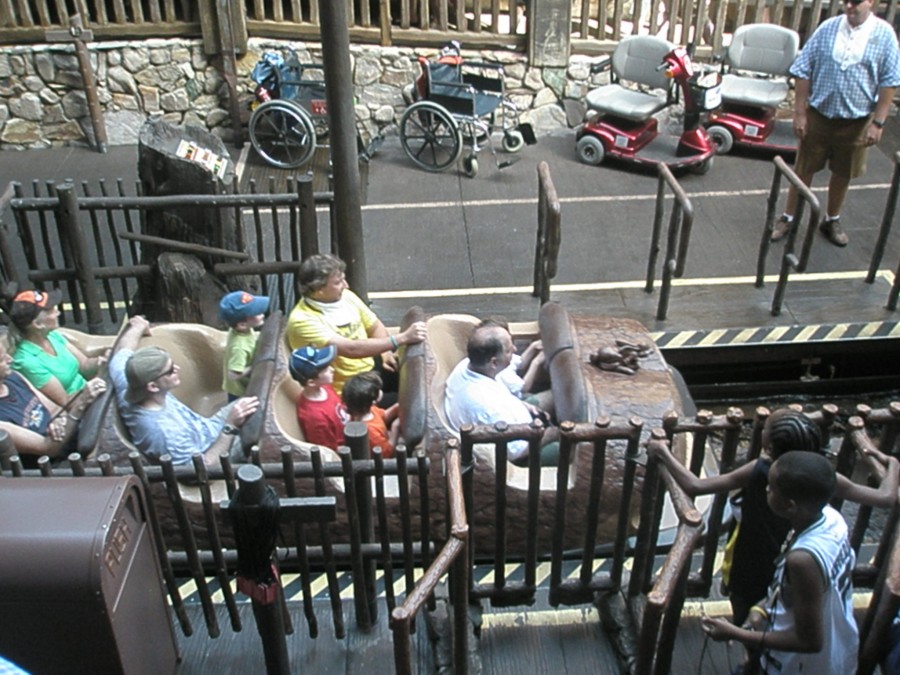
(654, 598)
(184, 552)
(452, 556)
(707, 430)
(594, 26)
(89, 246)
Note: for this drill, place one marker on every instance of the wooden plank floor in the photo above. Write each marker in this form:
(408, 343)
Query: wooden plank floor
(272, 179)
(513, 642)
(241, 652)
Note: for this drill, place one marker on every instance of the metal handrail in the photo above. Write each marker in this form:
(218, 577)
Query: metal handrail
(681, 221)
(887, 220)
(453, 556)
(788, 259)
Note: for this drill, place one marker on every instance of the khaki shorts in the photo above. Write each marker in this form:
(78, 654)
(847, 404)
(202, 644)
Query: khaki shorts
(838, 143)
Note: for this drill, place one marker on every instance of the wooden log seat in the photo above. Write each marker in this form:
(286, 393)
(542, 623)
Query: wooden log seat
(581, 392)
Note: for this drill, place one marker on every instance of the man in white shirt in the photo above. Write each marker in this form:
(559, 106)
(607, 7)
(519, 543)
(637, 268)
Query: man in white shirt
(473, 395)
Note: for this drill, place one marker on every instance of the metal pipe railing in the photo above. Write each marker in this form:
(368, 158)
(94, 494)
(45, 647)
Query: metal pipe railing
(681, 221)
(789, 260)
(887, 220)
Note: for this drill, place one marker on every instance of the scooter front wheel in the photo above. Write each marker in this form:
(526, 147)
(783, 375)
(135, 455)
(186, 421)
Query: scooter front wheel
(703, 167)
(722, 138)
(590, 150)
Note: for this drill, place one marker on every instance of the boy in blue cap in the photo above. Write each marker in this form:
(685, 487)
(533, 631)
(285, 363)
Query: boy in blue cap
(242, 312)
(320, 411)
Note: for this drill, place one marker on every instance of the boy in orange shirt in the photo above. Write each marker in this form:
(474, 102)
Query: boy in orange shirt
(361, 393)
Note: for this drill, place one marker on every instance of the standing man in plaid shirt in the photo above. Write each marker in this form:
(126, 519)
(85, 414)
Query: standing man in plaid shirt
(845, 81)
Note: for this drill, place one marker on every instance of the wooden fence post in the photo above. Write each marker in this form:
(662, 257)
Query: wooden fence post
(73, 238)
(549, 35)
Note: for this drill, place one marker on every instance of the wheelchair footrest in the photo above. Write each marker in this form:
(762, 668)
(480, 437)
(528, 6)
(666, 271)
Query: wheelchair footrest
(527, 132)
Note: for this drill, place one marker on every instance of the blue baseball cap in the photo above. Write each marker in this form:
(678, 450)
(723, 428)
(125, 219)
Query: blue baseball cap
(239, 305)
(306, 362)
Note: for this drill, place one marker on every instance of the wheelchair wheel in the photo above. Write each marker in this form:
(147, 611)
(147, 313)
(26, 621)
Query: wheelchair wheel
(283, 134)
(470, 166)
(722, 138)
(590, 150)
(513, 141)
(430, 136)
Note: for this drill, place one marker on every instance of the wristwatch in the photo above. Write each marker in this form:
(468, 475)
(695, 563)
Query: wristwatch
(879, 123)
(230, 430)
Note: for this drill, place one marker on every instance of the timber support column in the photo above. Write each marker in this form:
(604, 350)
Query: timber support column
(342, 130)
(549, 33)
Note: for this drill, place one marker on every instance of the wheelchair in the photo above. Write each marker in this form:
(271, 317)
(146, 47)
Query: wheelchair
(292, 113)
(455, 104)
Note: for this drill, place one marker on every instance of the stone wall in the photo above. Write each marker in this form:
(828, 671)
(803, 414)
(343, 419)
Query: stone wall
(43, 104)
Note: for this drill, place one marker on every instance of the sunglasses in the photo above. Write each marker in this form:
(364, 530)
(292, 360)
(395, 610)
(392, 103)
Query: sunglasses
(168, 372)
(855, 3)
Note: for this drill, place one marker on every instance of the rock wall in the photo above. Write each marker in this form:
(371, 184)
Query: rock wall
(43, 104)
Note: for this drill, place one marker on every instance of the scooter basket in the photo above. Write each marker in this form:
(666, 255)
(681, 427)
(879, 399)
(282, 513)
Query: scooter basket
(706, 90)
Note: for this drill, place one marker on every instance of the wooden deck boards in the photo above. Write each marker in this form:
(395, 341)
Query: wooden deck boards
(238, 653)
(512, 642)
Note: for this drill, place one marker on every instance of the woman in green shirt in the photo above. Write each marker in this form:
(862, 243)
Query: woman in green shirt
(56, 367)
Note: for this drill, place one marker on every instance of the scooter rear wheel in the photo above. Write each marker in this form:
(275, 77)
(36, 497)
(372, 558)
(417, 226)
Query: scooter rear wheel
(722, 138)
(590, 150)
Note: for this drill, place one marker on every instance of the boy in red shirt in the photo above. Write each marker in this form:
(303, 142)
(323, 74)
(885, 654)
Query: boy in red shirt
(361, 393)
(319, 408)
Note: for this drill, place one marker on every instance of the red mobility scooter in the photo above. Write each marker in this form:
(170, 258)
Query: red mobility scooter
(621, 121)
(755, 83)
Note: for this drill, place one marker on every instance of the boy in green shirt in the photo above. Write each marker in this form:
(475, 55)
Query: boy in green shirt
(242, 312)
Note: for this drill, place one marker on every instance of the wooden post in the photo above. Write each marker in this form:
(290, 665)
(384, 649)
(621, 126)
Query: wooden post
(342, 129)
(267, 595)
(548, 33)
(309, 221)
(356, 435)
(77, 35)
(73, 238)
(227, 51)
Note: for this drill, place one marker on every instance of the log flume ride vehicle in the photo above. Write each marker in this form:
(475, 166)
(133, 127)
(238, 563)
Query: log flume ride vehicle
(583, 393)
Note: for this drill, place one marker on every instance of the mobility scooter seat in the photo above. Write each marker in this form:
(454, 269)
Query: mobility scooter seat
(614, 99)
(636, 59)
(758, 59)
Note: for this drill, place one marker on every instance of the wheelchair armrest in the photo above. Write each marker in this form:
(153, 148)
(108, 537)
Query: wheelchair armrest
(483, 84)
